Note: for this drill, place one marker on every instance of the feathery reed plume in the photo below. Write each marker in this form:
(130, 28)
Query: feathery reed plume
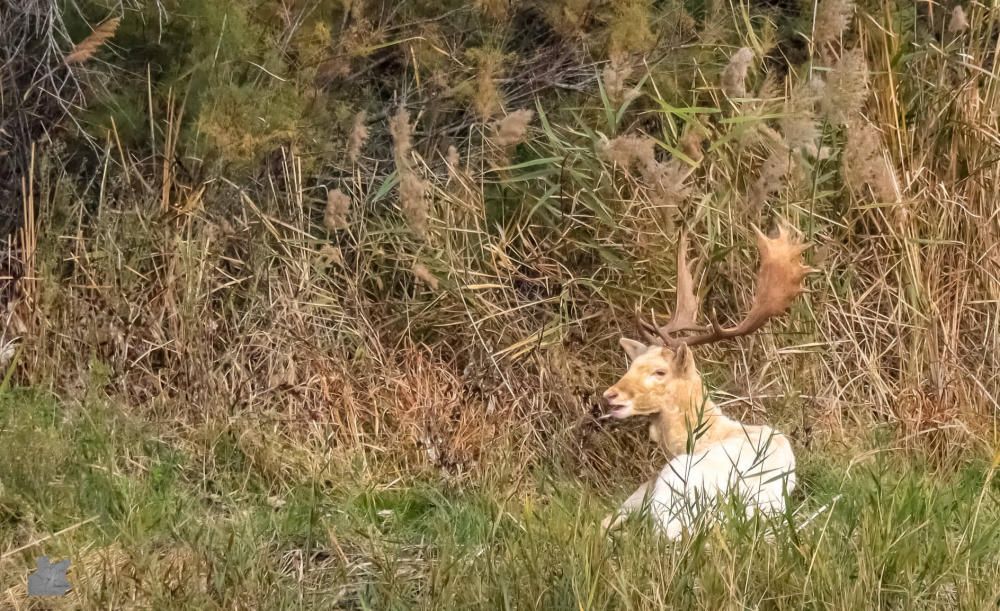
(513, 128)
(846, 88)
(489, 67)
(331, 255)
(798, 120)
(412, 188)
(456, 174)
(424, 275)
(772, 176)
(629, 27)
(691, 142)
(338, 205)
(639, 152)
(958, 22)
(463, 187)
(735, 74)
(494, 9)
(87, 47)
(628, 150)
(615, 75)
(666, 182)
(669, 188)
(800, 132)
(402, 136)
(498, 10)
(783, 167)
(358, 137)
(453, 159)
(865, 163)
(8, 348)
(832, 19)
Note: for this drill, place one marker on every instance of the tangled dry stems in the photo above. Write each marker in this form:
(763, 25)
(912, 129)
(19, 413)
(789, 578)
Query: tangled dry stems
(482, 334)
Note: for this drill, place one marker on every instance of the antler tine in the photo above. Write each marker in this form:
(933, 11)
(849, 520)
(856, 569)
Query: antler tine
(647, 330)
(686, 302)
(779, 282)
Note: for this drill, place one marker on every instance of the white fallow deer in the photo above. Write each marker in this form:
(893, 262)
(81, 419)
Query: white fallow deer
(713, 456)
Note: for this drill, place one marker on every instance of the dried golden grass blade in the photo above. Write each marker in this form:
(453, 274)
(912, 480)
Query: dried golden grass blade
(91, 44)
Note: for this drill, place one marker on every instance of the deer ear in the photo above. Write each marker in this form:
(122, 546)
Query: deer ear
(683, 360)
(633, 348)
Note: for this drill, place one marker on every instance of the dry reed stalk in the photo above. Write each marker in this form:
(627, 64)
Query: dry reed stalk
(173, 127)
(412, 188)
(28, 234)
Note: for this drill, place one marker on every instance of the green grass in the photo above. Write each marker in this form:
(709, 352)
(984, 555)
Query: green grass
(172, 528)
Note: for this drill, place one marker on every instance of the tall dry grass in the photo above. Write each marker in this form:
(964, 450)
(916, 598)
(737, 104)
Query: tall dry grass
(434, 305)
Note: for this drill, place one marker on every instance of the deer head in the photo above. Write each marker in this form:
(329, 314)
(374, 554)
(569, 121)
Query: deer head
(662, 375)
(659, 379)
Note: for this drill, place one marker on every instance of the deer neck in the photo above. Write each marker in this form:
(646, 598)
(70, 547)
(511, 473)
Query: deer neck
(696, 429)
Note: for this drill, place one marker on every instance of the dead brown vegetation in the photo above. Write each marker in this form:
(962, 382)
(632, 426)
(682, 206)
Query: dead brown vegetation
(459, 313)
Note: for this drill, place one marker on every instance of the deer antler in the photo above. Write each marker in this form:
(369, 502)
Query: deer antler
(685, 313)
(779, 282)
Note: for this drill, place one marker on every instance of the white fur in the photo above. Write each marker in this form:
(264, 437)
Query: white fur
(759, 468)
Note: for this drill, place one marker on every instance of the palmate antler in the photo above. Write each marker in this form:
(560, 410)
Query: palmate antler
(779, 282)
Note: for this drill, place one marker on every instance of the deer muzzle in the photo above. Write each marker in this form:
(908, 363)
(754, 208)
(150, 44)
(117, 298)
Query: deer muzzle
(621, 406)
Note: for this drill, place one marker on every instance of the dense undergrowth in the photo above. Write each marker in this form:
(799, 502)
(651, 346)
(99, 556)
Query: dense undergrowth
(310, 243)
(384, 260)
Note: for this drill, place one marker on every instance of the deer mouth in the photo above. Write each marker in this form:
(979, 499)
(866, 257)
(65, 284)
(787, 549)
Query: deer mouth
(620, 412)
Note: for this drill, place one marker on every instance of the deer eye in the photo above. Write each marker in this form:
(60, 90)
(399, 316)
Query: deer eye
(660, 373)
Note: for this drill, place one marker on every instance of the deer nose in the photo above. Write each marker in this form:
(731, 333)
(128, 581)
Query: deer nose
(610, 394)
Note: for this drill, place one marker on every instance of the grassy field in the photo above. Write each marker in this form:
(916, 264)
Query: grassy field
(311, 304)
(150, 522)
